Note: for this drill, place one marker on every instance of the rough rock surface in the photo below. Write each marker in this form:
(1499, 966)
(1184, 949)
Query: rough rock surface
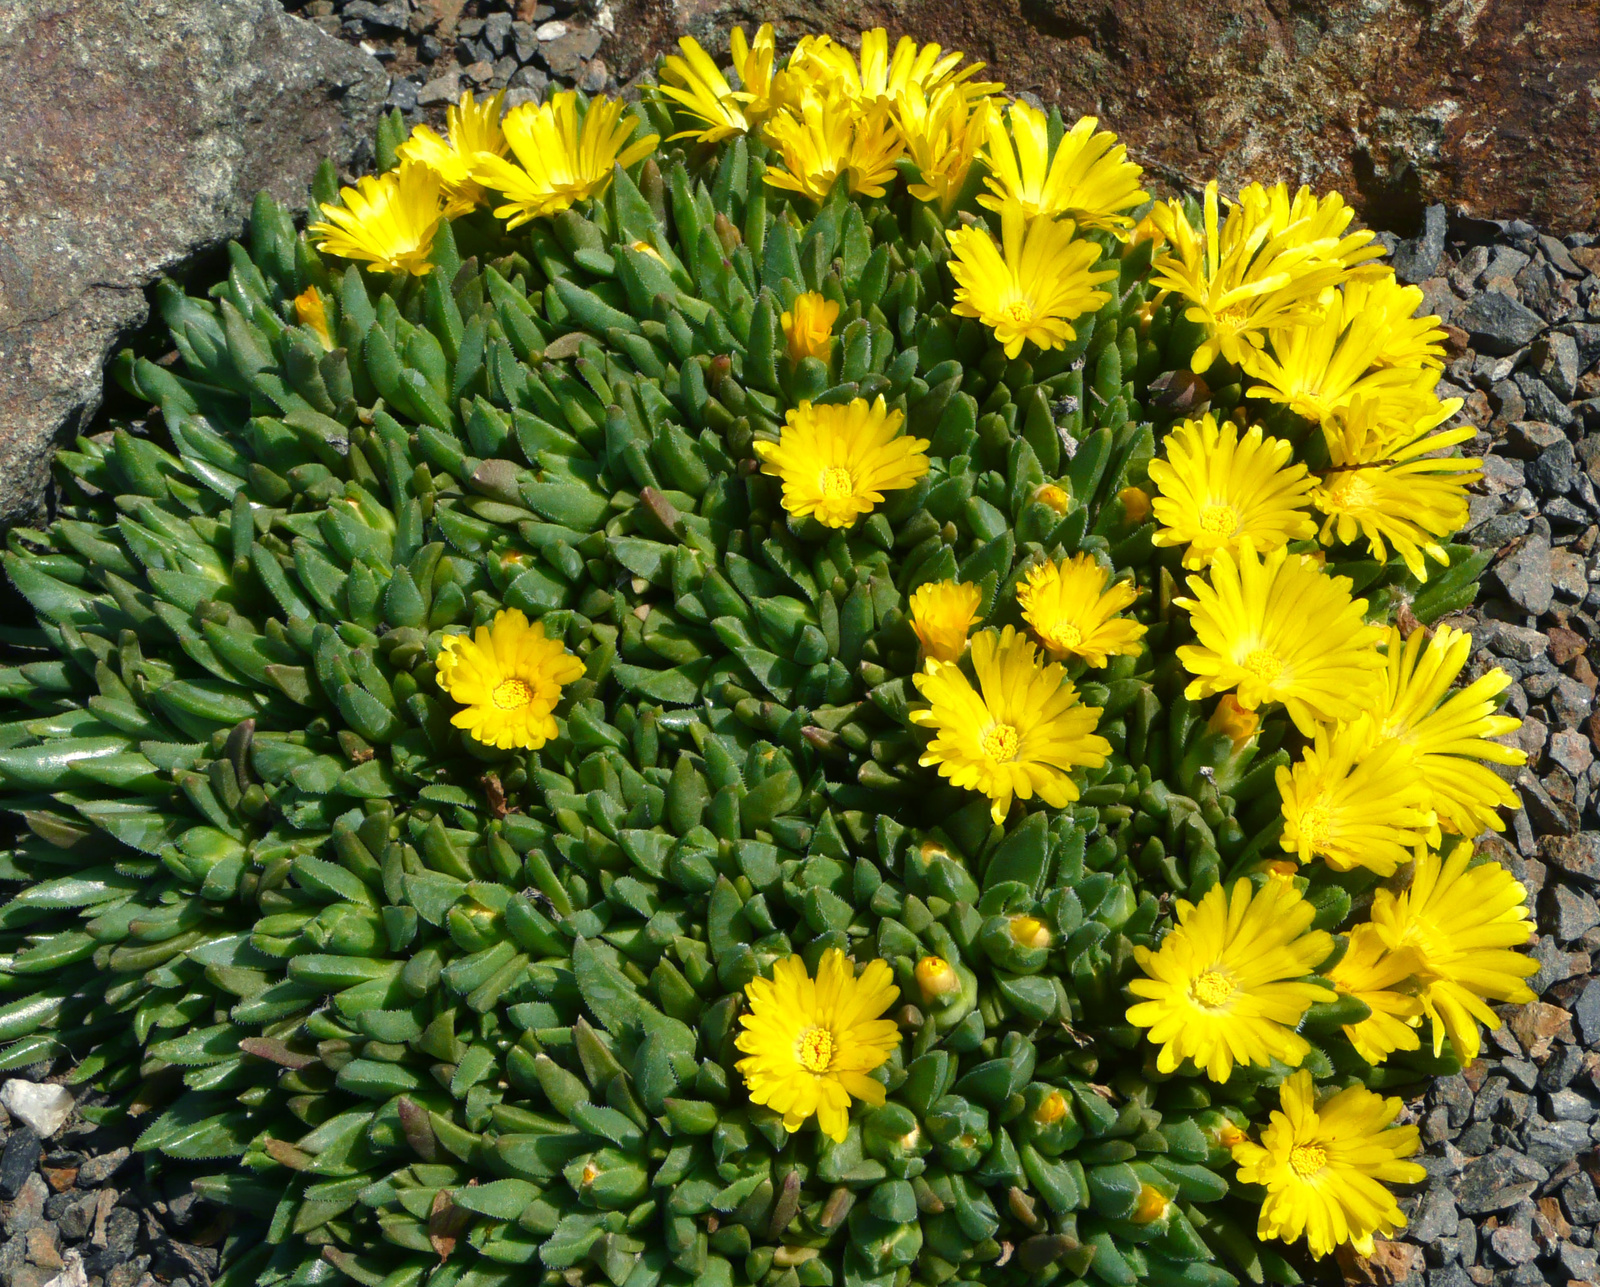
(136, 133)
(1488, 107)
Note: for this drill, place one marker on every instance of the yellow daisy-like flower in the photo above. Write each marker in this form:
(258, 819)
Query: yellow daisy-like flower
(1072, 607)
(1243, 277)
(809, 326)
(387, 220)
(312, 313)
(943, 133)
(1088, 177)
(1319, 367)
(1463, 921)
(472, 127)
(508, 679)
(1449, 733)
(1410, 338)
(1320, 224)
(697, 85)
(1228, 985)
(1032, 285)
(1018, 734)
(1354, 804)
(810, 1044)
(1280, 629)
(1217, 490)
(828, 140)
(752, 63)
(837, 461)
(561, 158)
(1396, 489)
(1324, 1167)
(942, 612)
(1384, 982)
(880, 78)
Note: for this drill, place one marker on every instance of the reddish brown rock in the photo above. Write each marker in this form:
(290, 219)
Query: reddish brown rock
(1488, 107)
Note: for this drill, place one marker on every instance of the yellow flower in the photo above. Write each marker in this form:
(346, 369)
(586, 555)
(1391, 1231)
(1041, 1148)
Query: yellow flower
(1152, 1204)
(1029, 931)
(1448, 733)
(811, 1043)
(387, 221)
(562, 159)
(472, 128)
(752, 64)
(1318, 367)
(943, 133)
(1396, 489)
(1135, 505)
(828, 140)
(1324, 1167)
(508, 678)
(809, 328)
(1089, 176)
(1228, 984)
(836, 461)
(1073, 606)
(1231, 718)
(1280, 629)
(1243, 276)
(1319, 224)
(936, 978)
(1382, 981)
(1354, 804)
(1217, 490)
(694, 82)
(313, 315)
(1057, 498)
(1463, 922)
(1409, 339)
(1019, 733)
(1043, 279)
(880, 78)
(942, 612)
(1052, 1108)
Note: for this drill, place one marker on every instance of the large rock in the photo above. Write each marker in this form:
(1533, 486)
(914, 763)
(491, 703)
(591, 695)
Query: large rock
(1487, 107)
(136, 133)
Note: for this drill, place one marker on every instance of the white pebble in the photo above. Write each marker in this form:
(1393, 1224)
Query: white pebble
(44, 1107)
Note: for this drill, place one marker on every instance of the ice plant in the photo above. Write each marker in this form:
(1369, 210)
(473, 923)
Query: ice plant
(1032, 285)
(471, 127)
(1464, 921)
(1073, 606)
(1280, 629)
(837, 461)
(1229, 984)
(1354, 803)
(1450, 735)
(810, 1044)
(387, 222)
(1324, 1166)
(1386, 982)
(561, 155)
(507, 677)
(1216, 489)
(1019, 734)
(469, 728)
(808, 325)
(942, 614)
(1087, 175)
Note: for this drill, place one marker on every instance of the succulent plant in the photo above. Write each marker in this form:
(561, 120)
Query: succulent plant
(428, 1011)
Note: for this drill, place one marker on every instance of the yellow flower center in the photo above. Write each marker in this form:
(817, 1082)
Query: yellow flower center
(1066, 636)
(816, 1049)
(1316, 825)
(1018, 312)
(1219, 520)
(1212, 989)
(1001, 743)
(1352, 491)
(836, 482)
(1307, 1159)
(1263, 663)
(512, 695)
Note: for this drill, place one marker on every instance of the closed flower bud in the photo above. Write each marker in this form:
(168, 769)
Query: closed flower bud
(936, 978)
(1135, 504)
(1029, 931)
(645, 248)
(1152, 1205)
(1055, 497)
(1051, 1109)
(809, 328)
(1234, 720)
